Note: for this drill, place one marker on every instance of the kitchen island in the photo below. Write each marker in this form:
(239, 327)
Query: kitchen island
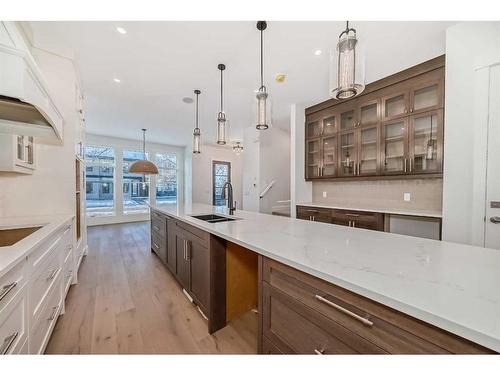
(449, 286)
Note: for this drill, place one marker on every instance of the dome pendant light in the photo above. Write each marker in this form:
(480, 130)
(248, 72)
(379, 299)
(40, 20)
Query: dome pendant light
(143, 166)
(262, 115)
(221, 116)
(349, 68)
(196, 132)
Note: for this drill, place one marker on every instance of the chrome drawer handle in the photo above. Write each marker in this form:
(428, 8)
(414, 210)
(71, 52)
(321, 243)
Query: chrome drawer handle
(352, 215)
(53, 274)
(365, 321)
(54, 313)
(155, 245)
(7, 343)
(495, 219)
(156, 228)
(6, 289)
(319, 352)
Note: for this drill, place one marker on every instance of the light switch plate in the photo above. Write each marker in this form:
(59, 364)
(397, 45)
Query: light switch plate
(406, 197)
(324, 194)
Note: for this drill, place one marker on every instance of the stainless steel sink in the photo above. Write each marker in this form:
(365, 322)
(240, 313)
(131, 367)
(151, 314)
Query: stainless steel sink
(211, 218)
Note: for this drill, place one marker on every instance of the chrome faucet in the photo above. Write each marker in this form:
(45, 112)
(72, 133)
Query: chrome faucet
(230, 204)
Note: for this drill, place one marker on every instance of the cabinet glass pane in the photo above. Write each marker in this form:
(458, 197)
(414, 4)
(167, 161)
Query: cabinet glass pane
(426, 97)
(329, 156)
(368, 114)
(313, 159)
(394, 139)
(395, 106)
(20, 147)
(424, 135)
(347, 154)
(313, 129)
(30, 150)
(329, 125)
(347, 120)
(368, 144)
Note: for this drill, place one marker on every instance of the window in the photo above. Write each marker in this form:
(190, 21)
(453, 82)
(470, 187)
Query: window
(100, 166)
(135, 186)
(166, 181)
(221, 174)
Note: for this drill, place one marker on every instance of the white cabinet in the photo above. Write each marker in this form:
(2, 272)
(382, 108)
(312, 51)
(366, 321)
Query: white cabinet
(17, 153)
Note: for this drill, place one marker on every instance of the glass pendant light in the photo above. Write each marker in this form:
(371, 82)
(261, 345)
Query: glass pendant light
(262, 96)
(349, 69)
(196, 132)
(221, 116)
(144, 166)
(238, 148)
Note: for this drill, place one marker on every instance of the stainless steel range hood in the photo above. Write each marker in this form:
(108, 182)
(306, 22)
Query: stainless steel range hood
(20, 118)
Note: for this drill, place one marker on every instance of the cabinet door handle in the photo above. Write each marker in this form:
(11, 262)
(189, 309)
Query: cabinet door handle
(319, 351)
(156, 228)
(405, 165)
(6, 289)
(352, 215)
(349, 222)
(365, 321)
(411, 110)
(184, 249)
(188, 250)
(319, 171)
(155, 245)
(353, 224)
(493, 219)
(52, 274)
(7, 343)
(54, 313)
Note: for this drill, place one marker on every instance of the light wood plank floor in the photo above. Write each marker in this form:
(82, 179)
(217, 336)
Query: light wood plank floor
(127, 302)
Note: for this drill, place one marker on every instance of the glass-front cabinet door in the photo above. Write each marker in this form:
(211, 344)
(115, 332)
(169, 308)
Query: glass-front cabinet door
(348, 154)
(348, 119)
(395, 105)
(329, 157)
(368, 151)
(394, 147)
(313, 128)
(369, 113)
(426, 96)
(313, 159)
(425, 140)
(329, 126)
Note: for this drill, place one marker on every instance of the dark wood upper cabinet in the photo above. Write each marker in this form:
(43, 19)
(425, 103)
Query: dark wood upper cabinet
(394, 128)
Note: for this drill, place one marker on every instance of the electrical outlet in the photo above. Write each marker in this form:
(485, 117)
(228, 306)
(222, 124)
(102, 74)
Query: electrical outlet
(407, 197)
(324, 194)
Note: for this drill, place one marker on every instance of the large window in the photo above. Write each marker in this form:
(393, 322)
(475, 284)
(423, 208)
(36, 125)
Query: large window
(100, 167)
(221, 174)
(135, 186)
(166, 181)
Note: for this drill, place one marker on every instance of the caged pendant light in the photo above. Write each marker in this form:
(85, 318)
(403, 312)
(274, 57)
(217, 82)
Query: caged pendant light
(196, 132)
(262, 96)
(143, 166)
(347, 66)
(221, 116)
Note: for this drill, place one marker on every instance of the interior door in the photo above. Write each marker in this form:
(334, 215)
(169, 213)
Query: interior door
(492, 228)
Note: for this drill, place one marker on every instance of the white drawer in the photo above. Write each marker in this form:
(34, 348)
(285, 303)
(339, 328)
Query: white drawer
(57, 240)
(68, 270)
(13, 325)
(40, 332)
(11, 283)
(43, 281)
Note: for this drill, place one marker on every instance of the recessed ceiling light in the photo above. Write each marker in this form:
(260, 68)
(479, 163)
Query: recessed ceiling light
(117, 80)
(121, 30)
(187, 100)
(280, 77)
(318, 52)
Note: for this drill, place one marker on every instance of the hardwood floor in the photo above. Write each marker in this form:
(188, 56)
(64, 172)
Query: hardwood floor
(127, 302)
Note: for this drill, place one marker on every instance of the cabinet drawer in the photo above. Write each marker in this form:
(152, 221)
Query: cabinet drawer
(42, 329)
(56, 241)
(158, 245)
(11, 283)
(68, 269)
(158, 224)
(199, 235)
(323, 215)
(13, 326)
(43, 281)
(388, 329)
(359, 219)
(297, 328)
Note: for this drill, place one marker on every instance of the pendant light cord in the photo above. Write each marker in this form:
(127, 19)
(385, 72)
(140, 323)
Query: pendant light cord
(221, 95)
(144, 144)
(197, 111)
(261, 59)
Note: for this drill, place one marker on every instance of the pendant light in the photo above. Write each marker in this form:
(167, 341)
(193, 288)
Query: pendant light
(262, 115)
(349, 68)
(221, 116)
(238, 148)
(196, 132)
(143, 166)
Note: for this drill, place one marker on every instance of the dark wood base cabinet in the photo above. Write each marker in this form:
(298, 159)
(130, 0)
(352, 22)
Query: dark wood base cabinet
(300, 314)
(349, 218)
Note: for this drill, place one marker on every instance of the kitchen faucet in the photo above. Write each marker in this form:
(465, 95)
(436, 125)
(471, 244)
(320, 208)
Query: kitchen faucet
(230, 204)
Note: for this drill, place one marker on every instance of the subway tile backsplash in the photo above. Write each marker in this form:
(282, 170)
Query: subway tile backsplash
(426, 194)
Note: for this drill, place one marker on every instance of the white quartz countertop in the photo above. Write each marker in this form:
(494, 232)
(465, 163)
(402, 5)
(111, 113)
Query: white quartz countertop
(449, 285)
(11, 255)
(374, 208)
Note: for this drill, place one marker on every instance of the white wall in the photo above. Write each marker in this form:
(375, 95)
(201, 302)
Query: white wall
(120, 144)
(300, 189)
(51, 188)
(469, 46)
(251, 165)
(202, 173)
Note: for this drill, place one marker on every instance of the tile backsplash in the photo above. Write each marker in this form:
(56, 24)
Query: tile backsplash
(425, 194)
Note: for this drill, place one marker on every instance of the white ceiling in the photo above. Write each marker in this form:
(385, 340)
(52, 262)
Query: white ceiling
(159, 63)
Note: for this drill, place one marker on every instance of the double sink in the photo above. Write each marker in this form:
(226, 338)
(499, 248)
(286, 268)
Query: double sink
(211, 218)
